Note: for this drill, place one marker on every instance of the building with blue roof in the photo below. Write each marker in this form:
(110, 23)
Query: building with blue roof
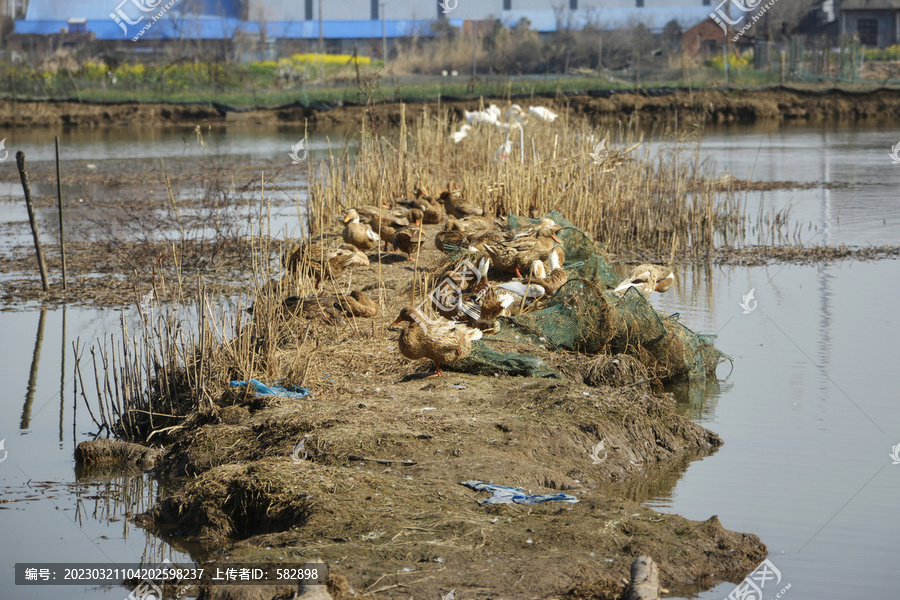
(271, 28)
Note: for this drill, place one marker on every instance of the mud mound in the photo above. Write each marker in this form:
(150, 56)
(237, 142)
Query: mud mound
(236, 501)
(615, 371)
(103, 451)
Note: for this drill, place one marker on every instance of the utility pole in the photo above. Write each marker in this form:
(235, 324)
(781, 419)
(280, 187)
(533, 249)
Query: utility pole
(321, 35)
(474, 49)
(384, 55)
(725, 60)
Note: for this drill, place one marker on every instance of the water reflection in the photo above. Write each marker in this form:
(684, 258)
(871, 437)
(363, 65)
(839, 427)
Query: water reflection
(698, 401)
(25, 421)
(657, 480)
(62, 377)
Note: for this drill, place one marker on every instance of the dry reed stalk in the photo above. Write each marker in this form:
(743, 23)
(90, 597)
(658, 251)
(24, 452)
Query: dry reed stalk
(658, 198)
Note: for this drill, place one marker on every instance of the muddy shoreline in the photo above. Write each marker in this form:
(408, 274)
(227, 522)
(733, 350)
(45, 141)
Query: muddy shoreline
(376, 491)
(702, 106)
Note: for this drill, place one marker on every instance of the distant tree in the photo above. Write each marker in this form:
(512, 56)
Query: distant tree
(441, 28)
(522, 26)
(782, 18)
(671, 37)
(641, 40)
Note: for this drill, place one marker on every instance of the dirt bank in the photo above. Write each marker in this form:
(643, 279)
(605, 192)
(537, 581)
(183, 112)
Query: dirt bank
(708, 106)
(378, 496)
(375, 492)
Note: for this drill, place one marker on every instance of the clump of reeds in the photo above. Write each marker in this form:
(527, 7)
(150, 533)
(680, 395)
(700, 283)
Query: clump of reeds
(176, 358)
(659, 195)
(652, 195)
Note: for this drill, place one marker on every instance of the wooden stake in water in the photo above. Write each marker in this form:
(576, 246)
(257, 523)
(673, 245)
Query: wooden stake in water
(26, 187)
(62, 236)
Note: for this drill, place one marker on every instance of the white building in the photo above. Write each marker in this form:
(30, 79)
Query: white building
(543, 14)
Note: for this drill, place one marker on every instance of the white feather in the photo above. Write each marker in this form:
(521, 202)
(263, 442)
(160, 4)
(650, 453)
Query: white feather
(522, 289)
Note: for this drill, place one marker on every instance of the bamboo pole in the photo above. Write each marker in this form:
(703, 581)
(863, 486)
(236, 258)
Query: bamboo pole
(26, 187)
(62, 235)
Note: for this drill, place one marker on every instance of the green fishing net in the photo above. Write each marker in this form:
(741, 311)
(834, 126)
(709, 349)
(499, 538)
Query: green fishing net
(584, 316)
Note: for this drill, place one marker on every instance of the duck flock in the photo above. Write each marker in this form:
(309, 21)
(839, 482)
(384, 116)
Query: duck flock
(505, 271)
(511, 121)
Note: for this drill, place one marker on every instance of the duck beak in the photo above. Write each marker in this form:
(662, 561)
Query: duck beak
(347, 219)
(555, 239)
(394, 324)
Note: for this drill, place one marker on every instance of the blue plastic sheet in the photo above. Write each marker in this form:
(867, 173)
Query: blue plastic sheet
(510, 495)
(262, 389)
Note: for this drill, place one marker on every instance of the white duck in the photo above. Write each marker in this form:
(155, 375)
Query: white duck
(542, 114)
(515, 113)
(557, 277)
(512, 293)
(508, 126)
(504, 150)
(495, 110)
(458, 136)
(480, 116)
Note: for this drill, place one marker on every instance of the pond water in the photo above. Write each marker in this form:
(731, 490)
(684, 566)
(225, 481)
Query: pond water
(807, 413)
(810, 415)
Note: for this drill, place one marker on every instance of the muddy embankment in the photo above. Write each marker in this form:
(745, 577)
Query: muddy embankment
(375, 490)
(708, 106)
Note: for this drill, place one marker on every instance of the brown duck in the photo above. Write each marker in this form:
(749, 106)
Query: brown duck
(557, 277)
(358, 234)
(491, 308)
(386, 225)
(458, 207)
(409, 238)
(357, 304)
(432, 210)
(313, 308)
(453, 236)
(520, 253)
(319, 262)
(438, 340)
(533, 230)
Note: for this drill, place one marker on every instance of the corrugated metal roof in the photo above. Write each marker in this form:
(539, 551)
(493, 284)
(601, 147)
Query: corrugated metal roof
(214, 28)
(174, 26)
(107, 29)
(54, 10)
